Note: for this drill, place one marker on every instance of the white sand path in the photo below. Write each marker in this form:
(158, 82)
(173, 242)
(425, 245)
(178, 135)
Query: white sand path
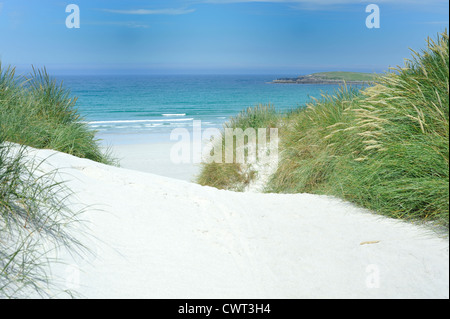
(163, 238)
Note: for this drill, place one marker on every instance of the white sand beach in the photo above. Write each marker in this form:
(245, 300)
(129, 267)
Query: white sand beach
(158, 237)
(153, 158)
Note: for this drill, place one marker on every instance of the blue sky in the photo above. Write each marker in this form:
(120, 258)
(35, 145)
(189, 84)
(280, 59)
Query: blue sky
(215, 36)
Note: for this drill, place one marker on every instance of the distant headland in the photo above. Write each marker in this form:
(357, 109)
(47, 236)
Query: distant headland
(330, 78)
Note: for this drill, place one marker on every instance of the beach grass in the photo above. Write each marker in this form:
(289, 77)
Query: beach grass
(34, 216)
(35, 223)
(384, 147)
(236, 175)
(37, 111)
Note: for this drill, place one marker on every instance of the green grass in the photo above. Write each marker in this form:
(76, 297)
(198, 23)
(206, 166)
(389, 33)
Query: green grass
(37, 111)
(346, 76)
(34, 223)
(385, 147)
(236, 176)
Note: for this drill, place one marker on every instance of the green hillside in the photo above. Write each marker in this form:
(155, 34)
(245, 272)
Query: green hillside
(346, 76)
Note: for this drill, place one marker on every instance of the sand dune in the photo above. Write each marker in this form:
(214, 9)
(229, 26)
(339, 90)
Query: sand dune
(157, 237)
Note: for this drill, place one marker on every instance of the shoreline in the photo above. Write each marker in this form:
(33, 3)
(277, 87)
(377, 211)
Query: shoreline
(154, 158)
(151, 153)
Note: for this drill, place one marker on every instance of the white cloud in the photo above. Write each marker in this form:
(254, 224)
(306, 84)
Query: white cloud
(150, 12)
(295, 4)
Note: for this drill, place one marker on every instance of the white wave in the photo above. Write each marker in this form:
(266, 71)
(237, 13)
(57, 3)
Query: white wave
(139, 121)
(169, 114)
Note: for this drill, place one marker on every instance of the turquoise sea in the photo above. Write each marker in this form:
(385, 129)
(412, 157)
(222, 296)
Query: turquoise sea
(123, 106)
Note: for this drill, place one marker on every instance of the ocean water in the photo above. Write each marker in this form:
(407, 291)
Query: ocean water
(136, 105)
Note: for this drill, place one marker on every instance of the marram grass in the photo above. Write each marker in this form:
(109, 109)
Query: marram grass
(385, 147)
(37, 111)
(35, 222)
(236, 176)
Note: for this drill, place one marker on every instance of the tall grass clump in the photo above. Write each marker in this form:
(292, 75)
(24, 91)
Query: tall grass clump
(316, 141)
(37, 111)
(35, 221)
(34, 225)
(385, 148)
(236, 175)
